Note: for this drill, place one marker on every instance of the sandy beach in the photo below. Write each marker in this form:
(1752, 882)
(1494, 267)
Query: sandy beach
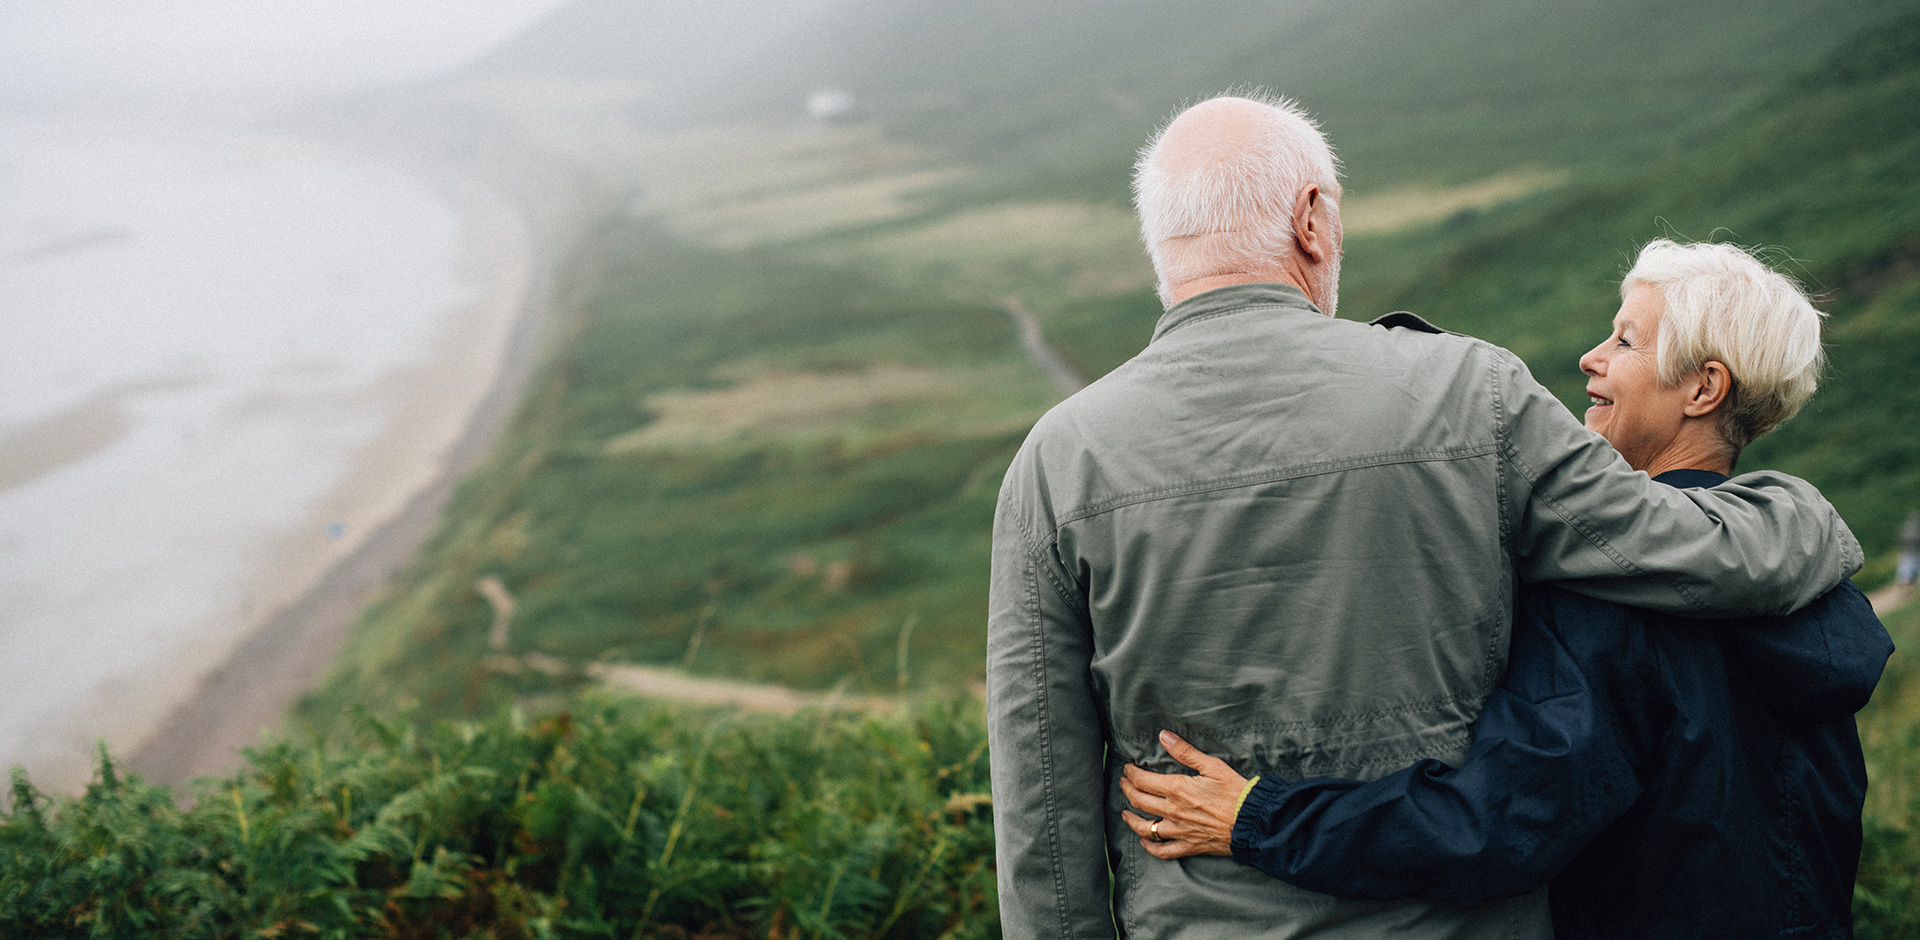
(203, 485)
(448, 411)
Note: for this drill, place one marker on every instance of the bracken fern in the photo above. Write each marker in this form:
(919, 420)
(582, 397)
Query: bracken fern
(618, 821)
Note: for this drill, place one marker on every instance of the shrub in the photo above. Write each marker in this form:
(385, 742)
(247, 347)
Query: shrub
(617, 821)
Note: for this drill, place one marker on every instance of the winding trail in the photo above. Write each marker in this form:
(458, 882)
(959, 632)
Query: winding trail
(1043, 355)
(673, 685)
(653, 682)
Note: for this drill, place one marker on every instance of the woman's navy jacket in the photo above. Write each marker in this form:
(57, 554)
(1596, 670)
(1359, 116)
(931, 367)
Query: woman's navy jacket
(1668, 777)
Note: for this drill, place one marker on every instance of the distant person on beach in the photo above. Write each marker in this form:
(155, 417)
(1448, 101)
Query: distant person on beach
(1293, 540)
(1672, 778)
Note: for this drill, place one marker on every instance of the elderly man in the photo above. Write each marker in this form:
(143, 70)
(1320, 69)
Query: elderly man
(1294, 541)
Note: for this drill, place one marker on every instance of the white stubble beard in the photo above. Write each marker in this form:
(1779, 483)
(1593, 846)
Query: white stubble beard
(1327, 285)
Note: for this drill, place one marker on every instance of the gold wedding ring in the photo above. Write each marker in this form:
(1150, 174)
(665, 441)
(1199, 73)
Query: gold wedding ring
(1153, 831)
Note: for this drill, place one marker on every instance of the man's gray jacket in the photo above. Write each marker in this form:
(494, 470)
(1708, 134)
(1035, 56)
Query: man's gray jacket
(1294, 541)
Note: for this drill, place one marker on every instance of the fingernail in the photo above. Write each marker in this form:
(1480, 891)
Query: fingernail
(1166, 739)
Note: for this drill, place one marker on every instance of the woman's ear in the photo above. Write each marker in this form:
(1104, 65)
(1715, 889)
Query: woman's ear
(1708, 389)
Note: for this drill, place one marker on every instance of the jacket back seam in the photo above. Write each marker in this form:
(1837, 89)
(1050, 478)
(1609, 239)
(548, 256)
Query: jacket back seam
(1356, 718)
(1274, 475)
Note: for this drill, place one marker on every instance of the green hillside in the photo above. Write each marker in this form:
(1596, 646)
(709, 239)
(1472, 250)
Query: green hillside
(770, 448)
(1058, 95)
(1826, 171)
(1055, 97)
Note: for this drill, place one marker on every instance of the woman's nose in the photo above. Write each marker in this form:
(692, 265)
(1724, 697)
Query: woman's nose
(1590, 361)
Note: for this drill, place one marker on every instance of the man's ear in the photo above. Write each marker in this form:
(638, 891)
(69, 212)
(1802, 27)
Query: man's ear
(1312, 225)
(1707, 389)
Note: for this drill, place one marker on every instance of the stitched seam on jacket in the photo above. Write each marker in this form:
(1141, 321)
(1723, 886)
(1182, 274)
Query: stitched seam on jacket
(1037, 547)
(1388, 760)
(1049, 794)
(1397, 759)
(1258, 477)
(1355, 718)
(1578, 524)
(1204, 317)
(1506, 591)
(1072, 599)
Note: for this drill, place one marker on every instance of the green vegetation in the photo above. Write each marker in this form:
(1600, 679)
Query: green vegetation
(615, 822)
(1887, 896)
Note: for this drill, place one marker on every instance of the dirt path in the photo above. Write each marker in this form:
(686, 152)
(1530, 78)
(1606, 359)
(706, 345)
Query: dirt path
(668, 684)
(673, 685)
(1043, 355)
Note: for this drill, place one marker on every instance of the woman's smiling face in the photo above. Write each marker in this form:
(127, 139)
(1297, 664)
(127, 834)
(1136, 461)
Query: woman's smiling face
(1631, 409)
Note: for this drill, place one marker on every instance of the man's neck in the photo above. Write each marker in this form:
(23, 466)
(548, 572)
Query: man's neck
(1201, 285)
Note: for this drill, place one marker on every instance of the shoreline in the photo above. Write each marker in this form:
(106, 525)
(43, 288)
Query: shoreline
(313, 600)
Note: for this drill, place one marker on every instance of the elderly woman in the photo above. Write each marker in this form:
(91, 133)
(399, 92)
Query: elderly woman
(1670, 778)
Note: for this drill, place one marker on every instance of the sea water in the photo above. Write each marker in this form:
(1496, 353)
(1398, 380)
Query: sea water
(195, 325)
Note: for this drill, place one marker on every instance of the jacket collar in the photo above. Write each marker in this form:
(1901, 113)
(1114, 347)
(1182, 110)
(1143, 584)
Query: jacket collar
(1690, 478)
(1237, 298)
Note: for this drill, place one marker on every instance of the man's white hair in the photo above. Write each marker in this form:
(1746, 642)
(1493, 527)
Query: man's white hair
(1247, 195)
(1722, 303)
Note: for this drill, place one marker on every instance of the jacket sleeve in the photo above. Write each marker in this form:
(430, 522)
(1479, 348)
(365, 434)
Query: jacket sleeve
(1553, 764)
(1575, 514)
(1045, 732)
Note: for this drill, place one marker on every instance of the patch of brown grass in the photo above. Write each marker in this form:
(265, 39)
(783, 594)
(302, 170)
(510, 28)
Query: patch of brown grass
(1405, 207)
(778, 402)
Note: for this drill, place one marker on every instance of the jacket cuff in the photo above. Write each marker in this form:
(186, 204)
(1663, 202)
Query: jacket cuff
(1242, 801)
(1257, 806)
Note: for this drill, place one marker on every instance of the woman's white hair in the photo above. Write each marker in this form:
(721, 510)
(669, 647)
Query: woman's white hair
(1246, 195)
(1724, 304)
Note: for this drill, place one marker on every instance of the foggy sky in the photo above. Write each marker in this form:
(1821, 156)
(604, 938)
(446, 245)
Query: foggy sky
(78, 52)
